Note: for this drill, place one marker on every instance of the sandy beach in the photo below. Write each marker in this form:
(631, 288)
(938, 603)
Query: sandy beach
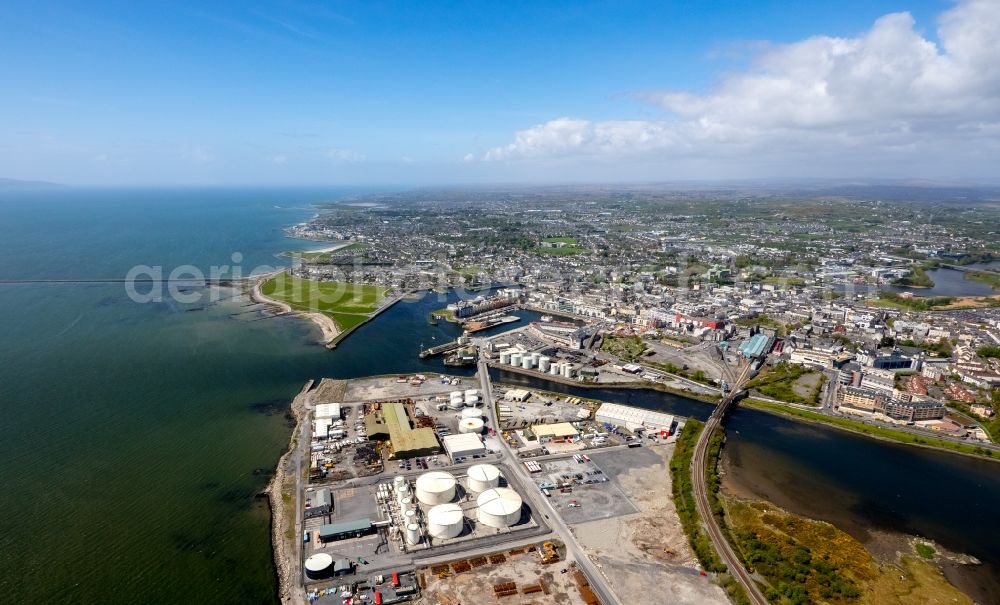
(329, 327)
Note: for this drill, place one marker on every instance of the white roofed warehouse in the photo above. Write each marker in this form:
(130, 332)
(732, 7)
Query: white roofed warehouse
(465, 445)
(634, 418)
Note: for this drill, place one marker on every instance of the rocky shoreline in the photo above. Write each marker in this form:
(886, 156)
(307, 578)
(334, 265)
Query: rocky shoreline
(281, 524)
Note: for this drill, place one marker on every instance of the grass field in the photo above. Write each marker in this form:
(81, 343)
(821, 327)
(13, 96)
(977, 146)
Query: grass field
(569, 241)
(786, 382)
(348, 304)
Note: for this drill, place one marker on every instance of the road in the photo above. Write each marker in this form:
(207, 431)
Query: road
(539, 503)
(719, 541)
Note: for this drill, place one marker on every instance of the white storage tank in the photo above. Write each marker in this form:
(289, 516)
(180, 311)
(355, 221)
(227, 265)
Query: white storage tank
(435, 487)
(543, 363)
(505, 357)
(471, 402)
(471, 425)
(499, 507)
(515, 359)
(319, 566)
(483, 477)
(472, 393)
(456, 404)
(472, 413)
(535, 357)
(402, 493)
(445, 521)
(556, 369)
(413, 534)
(526, 363)
(409, 516)
(399, 480)
(406, 504)
(568, 371)
(456, 395)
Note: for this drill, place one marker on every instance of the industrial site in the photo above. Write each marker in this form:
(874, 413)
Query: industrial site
(443, 489)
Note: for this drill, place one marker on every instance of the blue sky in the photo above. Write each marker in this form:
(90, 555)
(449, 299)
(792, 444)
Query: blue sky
(441, 92)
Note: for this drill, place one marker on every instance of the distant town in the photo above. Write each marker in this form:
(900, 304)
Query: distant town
(872, 316)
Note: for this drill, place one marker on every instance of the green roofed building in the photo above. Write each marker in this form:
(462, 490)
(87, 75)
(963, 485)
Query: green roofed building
(394, 424)
(345, 529)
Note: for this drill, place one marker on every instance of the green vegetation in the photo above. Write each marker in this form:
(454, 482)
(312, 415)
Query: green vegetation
(872, 431)
(987, 352)
(804, 561)
(348, 304)
(468, 271)
(924, 550)
(444, 314)
(628, 348)
(697, 375)
(917, 278)
(941, 347)
(990, 425)
(779, 381)
(763, 320)
(683, 491)
(923, 303)
(790, 281)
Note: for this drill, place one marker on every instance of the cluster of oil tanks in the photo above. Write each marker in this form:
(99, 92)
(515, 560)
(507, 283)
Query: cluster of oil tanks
(497, 507)
(543, 363)
(459, 400)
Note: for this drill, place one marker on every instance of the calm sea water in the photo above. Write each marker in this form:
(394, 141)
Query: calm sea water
(135, 436)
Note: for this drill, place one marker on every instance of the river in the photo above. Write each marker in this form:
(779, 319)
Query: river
(951, 282)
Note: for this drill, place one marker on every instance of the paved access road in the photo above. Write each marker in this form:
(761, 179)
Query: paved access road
(539, 503)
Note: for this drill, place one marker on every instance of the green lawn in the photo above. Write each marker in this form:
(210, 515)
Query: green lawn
(571, 241)
(348, 304)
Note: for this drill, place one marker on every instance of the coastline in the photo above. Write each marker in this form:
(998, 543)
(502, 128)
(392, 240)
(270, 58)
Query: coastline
(330, 330)
(281, 525)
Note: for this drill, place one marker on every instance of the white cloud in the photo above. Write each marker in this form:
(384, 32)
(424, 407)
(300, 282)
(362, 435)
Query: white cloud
(344, 155)
(887, 90)
(279, 159)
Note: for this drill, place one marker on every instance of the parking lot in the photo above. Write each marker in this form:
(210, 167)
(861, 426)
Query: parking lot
(582, 501)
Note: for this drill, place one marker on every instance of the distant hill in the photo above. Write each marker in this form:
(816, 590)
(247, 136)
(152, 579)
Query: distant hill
(19, 184)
